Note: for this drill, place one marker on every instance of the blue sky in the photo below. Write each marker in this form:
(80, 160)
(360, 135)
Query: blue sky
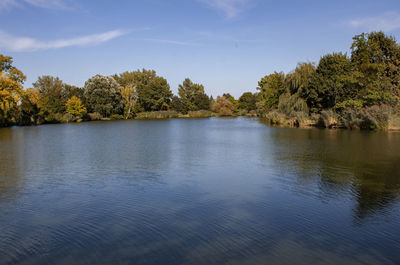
(227, 45)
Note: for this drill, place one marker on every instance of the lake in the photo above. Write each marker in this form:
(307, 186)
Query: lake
(198, 191)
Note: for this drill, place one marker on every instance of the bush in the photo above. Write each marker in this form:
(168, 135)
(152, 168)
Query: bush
(95, 116)
(66, 118)
(116, 117)
(275, 118)
(157, 115)
(375, 117)
(370, 118)
(223, 106)
(394, 122)
(300, 119)
(328, 119)
(201, 114)
(350, 119)
(54, 118)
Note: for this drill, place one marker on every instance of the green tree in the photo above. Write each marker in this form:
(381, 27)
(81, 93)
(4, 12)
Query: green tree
(300, 78)
(247, 101)
(377, 59)
(102, 94)
(177, 105)
(155, 95)
(51, 91)
(153, 92)
(70, 90)
(333, 82)
(75, 107)
(271, 87)
(193, 96)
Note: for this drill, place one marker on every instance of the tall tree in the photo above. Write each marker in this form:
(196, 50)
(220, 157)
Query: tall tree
(193, 96)
(153, 92)
(103, 95)
(11, 81)
(247, 101)
(129, 99)
(51, 94)
(29, 108)
(155, 95)
(270, 87)
(332, 83)
(75, 107)
(300, 78)
(377, 59)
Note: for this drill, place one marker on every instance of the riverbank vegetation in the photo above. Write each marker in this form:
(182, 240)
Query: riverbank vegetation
(360, 90)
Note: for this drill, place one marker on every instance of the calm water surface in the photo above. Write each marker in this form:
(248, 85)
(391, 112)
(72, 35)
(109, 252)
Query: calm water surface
(199, 191)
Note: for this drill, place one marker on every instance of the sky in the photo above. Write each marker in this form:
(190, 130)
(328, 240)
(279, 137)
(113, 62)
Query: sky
(226, 45)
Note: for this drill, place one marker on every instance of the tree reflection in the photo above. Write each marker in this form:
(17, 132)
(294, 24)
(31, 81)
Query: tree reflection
(362, 164)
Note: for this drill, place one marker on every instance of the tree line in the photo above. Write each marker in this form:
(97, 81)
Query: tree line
(347, 90)
(362, 89)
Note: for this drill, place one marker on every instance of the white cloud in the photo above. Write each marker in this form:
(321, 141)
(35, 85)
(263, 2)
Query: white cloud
(49, 4)
(231, 8)
(175, 42)
(22, 44)
(386, 22)
(7, 4)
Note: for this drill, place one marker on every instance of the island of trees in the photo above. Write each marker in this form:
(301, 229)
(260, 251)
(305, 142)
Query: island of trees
(360, 90)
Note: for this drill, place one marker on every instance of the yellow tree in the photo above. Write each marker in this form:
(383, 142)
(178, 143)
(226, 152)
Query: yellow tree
(129, 98)
(11, 80)
(75, 107)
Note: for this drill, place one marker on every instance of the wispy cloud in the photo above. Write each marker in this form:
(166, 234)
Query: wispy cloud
(387, 22)
(231, 8)
(174, 42)
(22, 44)
(7, 4)
(49, 4)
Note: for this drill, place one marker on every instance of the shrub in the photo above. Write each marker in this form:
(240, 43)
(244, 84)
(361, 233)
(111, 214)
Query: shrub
(328, 119)
(300, 119)
(67, 117)
(223, 106)
(275, 118)
(375, 117)
(350, 119)
(54, 118)
(116, 117)
(157, 115)
(201, 114)
(95, 116)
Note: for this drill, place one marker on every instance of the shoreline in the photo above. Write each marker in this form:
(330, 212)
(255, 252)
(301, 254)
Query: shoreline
(272, 118)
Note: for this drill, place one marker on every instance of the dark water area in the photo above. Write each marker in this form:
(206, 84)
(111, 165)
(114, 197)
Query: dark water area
(198, 191)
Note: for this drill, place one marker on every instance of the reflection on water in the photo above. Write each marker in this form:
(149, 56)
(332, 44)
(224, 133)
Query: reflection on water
(201, 191)
(367, 164)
